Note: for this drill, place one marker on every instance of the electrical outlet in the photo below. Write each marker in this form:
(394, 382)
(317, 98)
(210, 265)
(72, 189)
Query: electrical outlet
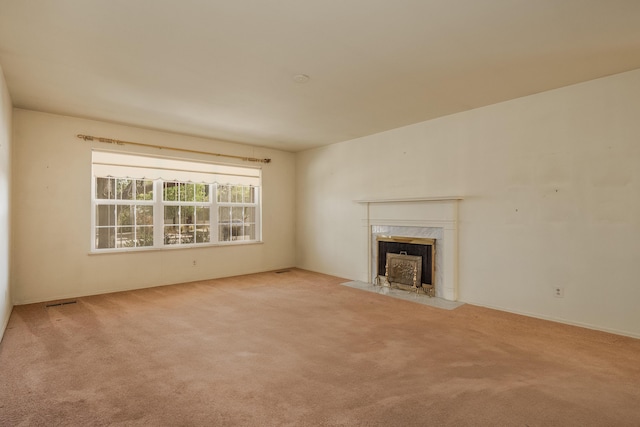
(194, 263)
(558, 292)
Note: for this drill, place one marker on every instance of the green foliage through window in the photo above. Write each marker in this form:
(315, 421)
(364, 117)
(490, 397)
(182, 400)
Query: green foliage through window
(125, 211)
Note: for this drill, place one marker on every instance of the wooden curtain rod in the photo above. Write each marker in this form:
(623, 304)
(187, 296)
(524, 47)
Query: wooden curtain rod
(160, 147)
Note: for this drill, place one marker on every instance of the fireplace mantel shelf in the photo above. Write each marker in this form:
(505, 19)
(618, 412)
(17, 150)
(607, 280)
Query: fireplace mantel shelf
(411, 199)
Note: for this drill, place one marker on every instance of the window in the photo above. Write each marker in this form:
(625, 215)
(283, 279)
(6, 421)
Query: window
(187, 213)
(145, 202)
(236, 212)
(123, 213)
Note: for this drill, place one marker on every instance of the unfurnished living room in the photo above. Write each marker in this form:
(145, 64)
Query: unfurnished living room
(330, 213)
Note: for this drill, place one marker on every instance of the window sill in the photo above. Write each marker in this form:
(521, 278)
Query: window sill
(173, 248)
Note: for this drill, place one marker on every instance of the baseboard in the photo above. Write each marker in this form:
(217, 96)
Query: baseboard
(64, 296)
(559, 320)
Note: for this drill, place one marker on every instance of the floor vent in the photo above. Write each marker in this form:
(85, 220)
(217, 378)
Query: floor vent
(283, 271)
(58, 304)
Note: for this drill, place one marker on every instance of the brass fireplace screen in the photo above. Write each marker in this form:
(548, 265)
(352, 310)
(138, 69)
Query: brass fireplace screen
(407, 263)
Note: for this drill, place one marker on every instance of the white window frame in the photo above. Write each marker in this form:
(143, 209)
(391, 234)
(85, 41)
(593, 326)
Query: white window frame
(158, 214)
(236, 204)
(159, 232)
(115, 202)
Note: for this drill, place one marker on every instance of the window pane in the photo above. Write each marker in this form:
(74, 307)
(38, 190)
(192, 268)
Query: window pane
(144, 189)
(124, 237)
(202, 192)
(170, 191)
(124, 189)
(250, 214)
(181, 191)
(224, 214)
(186, 214)
(144, 215)
(171, 235)
(105, 188)
(249, 194)
(250, 232)
(237, 231)
(187, 234)
(105, 237)
(105, 215)
(124, 215)
(172, 215)
(236, 194)
(202, 234)
(202, 215)
(237, 214)
(144, 236)
(224, 232)
(223, 193)
(184, 192)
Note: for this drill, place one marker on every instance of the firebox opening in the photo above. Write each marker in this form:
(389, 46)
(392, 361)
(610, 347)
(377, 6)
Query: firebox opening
(422, 247)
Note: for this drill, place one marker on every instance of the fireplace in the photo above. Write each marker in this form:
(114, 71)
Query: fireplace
(421, 217)
(407, 263)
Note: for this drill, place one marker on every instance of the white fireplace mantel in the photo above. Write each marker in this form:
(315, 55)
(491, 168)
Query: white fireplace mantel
(411, 214)
(411, 199)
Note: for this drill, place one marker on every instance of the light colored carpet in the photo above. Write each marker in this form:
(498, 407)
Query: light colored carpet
(299, 349)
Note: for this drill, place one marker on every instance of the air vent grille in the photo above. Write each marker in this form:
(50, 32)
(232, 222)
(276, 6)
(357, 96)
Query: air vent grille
(58, 304)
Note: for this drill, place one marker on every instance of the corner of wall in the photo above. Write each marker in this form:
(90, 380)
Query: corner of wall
(6, 111)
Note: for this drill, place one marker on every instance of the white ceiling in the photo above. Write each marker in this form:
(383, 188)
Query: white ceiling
(224, 69)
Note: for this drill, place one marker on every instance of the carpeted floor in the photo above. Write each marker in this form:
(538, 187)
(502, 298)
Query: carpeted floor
(298, 349)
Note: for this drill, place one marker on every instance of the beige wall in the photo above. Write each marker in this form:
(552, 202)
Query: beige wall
(552, 198)
(51, 206)
(5, 213)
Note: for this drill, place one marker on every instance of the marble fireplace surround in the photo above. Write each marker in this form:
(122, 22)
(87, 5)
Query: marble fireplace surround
(432, 217)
